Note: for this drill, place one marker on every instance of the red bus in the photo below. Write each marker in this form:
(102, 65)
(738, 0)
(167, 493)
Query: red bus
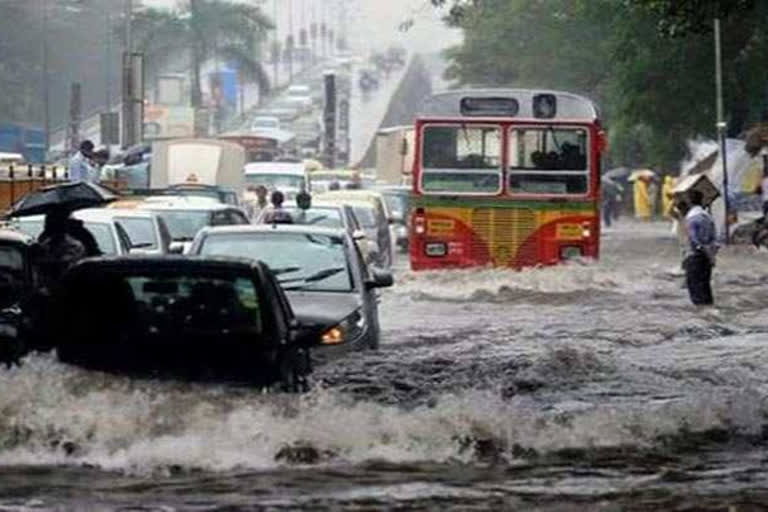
(505, 177)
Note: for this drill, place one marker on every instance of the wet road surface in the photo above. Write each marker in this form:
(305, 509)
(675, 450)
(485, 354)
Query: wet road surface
(581, 387)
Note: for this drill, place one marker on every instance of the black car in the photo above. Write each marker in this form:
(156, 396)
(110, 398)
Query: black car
(17, 282)
(322, 271)
(198, 319)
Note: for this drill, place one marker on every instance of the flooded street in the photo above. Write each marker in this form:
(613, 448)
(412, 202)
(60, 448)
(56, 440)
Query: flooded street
(587, 386)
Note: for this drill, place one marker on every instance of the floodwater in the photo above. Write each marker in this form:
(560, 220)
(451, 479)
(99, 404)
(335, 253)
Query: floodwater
(582, 387)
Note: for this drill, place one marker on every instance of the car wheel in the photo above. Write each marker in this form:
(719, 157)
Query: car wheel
(293, 370)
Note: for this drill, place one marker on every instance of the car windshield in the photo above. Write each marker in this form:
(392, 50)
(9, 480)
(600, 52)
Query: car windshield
(184, 224)
(141, 231)
(11, 258)
(102, 232)
(365, 216)
(398, 203)
(265, 123)
(275, 180)
(301, 261)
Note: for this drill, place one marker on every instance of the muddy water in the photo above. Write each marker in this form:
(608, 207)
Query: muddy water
(582, 387)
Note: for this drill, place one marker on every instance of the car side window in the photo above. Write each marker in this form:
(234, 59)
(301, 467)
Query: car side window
(381, 216)
(220, 218)
(276, 298)
(237, 217)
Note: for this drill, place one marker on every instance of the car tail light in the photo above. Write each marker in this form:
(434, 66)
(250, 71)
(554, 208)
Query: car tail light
(419, 222)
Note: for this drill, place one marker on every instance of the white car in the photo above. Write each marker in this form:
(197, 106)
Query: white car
(287, 177)
(110, 236)
(147, 230)
(185, 216)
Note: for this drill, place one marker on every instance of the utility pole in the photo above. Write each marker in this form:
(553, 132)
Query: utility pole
(45, 84)
(290, 41)
(275, 49)
(107, 58)
(128, 93)
(721, 124)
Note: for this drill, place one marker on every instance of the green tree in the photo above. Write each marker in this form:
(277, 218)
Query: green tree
(206, 29)
(648, 63)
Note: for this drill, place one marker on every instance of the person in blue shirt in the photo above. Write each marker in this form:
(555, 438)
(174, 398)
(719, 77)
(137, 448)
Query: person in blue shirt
(80, 167)
(702, 236)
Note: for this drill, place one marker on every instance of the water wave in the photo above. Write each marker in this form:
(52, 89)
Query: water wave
(55, 414)
(534, 285)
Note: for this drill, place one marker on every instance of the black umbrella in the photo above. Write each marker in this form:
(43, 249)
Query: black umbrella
(67, 197)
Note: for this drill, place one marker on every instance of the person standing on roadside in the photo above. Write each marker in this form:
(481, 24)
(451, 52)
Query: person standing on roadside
(700, 260)
(80, 168)
(763, 191)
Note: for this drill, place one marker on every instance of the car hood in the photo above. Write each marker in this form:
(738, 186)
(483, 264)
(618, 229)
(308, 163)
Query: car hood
(324, 308)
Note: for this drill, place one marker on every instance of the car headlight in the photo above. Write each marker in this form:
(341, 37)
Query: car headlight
(346, 330)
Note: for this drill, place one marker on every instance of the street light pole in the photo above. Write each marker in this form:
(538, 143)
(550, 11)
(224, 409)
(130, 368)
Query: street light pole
(46, 87)
(721, 124)
(129, 121)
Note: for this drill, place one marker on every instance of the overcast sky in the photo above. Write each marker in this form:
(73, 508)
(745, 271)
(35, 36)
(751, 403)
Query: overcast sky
(372, 24)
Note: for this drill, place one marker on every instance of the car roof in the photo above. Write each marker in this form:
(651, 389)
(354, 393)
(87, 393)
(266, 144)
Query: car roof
(99, 214)
(183, 203)
(360, 194)
(297, 168)
(300, 229)
(8, 235)
(357, 203)
(168, 262)
(320, 205)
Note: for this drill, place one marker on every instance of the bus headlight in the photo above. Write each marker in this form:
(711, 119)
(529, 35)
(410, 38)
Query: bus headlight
(435, 249)
(570, 252)
(347, 330)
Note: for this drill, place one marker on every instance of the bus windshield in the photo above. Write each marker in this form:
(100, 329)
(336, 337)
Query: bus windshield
(461, 159)
(548, 160)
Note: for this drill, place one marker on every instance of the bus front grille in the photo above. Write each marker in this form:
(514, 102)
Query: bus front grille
(500, 234)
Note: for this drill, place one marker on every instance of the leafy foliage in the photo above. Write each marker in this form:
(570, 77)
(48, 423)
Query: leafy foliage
(648, 63)
(204, 29)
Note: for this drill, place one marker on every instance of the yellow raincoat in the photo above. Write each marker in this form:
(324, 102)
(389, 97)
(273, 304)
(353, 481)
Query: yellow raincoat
(667, 199)
(642, 201)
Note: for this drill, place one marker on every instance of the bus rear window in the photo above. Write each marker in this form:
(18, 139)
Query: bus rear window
(548, 161)
(461, 159)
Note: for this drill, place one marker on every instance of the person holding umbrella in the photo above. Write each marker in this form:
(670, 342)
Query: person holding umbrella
(58, 250)
(62, 243)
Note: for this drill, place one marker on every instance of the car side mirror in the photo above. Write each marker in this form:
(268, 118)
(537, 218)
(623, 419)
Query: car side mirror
(358, 235)
(380, 278)
(176, 248)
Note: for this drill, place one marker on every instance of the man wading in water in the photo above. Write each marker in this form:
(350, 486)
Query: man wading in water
(701, 258)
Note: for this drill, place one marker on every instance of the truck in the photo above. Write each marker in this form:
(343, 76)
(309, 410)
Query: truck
(191, 161)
